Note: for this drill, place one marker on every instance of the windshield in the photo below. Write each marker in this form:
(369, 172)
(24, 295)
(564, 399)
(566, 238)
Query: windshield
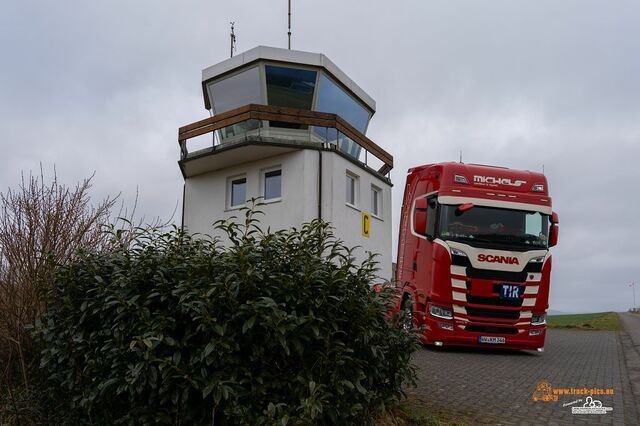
(520, 228)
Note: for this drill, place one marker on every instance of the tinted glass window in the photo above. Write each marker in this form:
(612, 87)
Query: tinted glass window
(332, 99)
(533, 224)
(236, 91)
(238, 192)
(432, 205)
(494, 225)
(348, 146)
(273, 184)
(240, 129)
(290, 87)
(351, 190)
(375, 201)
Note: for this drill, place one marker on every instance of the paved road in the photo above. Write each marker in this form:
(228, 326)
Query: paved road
(496, 387)
(631, 324)
(631, 344)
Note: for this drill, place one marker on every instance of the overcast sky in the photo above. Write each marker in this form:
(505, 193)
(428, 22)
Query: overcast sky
(102, 86)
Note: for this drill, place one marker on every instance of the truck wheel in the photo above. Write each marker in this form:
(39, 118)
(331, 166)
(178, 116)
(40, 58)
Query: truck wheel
(407, 307)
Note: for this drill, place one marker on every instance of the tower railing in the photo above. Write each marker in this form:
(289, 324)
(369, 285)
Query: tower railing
(284, 123)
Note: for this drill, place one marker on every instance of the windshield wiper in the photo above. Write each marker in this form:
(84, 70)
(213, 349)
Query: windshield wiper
(467, 238)
(513, 239)
(533, 240)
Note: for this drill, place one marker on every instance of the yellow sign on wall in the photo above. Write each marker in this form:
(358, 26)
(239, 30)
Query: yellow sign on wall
(366, 224)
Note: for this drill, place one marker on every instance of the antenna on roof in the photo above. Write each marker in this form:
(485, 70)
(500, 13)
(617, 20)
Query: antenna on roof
(461, 156)
(233, 39)
(289, 33)
(542, 168)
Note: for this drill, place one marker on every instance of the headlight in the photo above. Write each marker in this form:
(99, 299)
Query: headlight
(440, 312)
(539, 319)
(537, 259)
(456, 252)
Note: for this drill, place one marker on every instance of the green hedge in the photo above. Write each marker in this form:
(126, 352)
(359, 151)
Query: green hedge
(272, 328)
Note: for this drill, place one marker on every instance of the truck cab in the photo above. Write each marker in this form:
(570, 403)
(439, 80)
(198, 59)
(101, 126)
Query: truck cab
(474, 263)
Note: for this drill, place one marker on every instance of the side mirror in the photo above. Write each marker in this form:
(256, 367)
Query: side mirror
(420, 216)
(555, 229)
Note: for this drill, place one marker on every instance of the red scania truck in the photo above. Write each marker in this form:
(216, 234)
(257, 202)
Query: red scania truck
(473, 255)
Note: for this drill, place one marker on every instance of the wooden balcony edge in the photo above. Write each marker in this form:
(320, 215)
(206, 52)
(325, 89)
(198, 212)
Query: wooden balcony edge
(284, 114)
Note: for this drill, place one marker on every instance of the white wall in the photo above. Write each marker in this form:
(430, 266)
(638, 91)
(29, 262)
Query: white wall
(347, 220)
(206, 200)
(206, 194)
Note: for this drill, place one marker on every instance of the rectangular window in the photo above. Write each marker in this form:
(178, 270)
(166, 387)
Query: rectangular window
(333, 99)
(376, 201)
(272, 185)
(235, 91)
(238, 195)
(290, 87)
(352, 189)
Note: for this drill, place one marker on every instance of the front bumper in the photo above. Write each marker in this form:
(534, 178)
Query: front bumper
(434, 333)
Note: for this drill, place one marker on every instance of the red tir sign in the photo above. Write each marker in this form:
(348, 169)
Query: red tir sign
(509, 260)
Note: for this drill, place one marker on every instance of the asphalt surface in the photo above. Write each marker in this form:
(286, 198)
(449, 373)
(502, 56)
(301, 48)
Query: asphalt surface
(487, 386)
(631, 324)
(630, 339)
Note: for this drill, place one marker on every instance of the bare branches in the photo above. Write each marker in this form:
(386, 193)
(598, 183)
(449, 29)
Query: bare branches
(41, 225)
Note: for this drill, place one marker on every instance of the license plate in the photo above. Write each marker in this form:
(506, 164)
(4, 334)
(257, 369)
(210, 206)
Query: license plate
(511, 291)
(492, 339)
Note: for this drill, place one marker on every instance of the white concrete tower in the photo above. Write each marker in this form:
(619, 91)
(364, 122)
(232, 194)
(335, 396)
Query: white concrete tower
(289, 127)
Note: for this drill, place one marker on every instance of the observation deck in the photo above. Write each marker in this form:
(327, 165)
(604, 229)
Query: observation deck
(269, 101)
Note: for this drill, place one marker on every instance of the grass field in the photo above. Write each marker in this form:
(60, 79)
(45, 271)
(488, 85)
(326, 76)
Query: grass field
(596, 321)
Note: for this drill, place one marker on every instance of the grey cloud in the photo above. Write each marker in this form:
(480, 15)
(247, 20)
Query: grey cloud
(103, 86)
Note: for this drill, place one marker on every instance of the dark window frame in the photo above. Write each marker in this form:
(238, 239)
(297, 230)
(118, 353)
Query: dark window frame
(354, 192)
(232, 184)
(267, 174)
(377, 212)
